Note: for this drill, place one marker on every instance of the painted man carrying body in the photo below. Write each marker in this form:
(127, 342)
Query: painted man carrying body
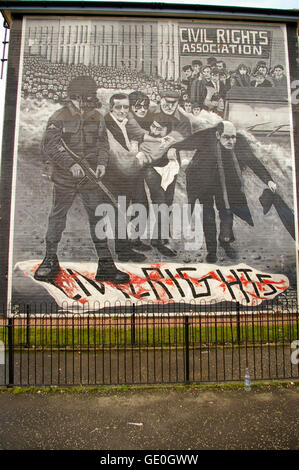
(124, 175)
(160, 177)
(162, 164)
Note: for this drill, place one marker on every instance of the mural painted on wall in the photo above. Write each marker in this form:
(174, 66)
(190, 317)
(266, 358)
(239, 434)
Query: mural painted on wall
(154, 164)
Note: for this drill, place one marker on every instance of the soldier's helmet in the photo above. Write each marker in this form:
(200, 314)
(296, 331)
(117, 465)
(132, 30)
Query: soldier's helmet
(84, 89)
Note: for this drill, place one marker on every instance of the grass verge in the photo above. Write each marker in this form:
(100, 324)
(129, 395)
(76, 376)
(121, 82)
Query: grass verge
(238, 386)
(65, 337)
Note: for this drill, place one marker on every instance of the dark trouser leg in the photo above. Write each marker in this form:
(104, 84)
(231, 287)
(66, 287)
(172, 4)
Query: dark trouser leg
(122, 243)
(169, 193)
(140, 197)
(107, 270)
(62, 200)
(209, 228)
(123, 246)
(226, 234)
(91, 199)
(159, 196)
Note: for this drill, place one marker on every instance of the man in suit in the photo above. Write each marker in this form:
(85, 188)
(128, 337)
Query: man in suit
(278, 77)
(124, 136)
(188, 71)
(200, 84)
(169, 107)
(214, 177)
(260, 81)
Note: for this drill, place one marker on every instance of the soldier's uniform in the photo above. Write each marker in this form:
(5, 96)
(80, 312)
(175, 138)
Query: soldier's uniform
(84, 133)
(86, 136)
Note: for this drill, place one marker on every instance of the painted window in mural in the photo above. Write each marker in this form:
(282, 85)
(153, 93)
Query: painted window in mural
(154, 163)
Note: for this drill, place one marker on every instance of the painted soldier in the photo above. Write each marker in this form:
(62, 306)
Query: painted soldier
(78, 129)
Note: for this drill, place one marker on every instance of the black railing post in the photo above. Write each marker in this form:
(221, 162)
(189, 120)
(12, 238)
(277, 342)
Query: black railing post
(10, 352)
(187, 358)
(238, 323)
(27, 326)
(133, 325)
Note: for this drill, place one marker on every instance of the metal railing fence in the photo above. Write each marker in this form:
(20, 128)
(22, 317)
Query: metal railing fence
(170, 345)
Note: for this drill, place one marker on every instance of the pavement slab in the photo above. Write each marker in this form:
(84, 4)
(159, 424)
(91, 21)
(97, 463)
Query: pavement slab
(155, 418)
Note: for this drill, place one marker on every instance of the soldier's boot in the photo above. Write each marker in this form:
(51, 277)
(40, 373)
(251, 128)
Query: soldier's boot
(211, 257)
(229, 250)
(163, 247)
(107, 271)
(48, 269)
(139, 245)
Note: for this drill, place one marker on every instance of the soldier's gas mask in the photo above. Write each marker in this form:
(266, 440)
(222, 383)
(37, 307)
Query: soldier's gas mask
(82, 92)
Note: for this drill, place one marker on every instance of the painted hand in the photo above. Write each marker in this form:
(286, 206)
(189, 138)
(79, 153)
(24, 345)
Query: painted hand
(272, 186)
(77, 171)
(100, 171)
(167, 141)
(171, 154)
(142, 159)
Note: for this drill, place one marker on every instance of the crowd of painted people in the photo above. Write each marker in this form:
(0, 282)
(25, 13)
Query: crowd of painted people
(44, 80)
(207, 84)
(201, 87)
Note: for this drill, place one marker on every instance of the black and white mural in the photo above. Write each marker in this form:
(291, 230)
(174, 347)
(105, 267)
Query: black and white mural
(153, 162)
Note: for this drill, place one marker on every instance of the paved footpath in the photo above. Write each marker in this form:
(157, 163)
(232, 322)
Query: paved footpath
(157, 419)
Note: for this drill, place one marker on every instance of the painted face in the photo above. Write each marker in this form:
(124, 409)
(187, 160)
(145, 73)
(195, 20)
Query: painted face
(228, 137)
(262, 70)
(140, 109)
(206, 72)
(120, 109)
(214, 102)
(169, 105)
(196, 111)
(260, 78)
(83, 102)
(188, 107)
(278, 73)
(242, 71)
(220, 105)
(188, 73)
(156, 130)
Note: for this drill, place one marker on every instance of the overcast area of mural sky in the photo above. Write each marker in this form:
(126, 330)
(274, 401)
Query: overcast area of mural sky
(276, 4)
